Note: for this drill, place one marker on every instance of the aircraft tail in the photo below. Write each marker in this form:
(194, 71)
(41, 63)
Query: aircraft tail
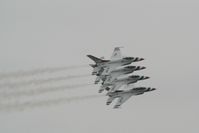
(96, 60)
(93, 65)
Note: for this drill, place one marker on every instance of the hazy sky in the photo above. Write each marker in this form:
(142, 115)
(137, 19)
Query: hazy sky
(57, 33)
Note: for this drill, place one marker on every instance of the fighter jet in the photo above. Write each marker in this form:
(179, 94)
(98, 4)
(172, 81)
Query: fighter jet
(118, 72)
(122, 71)
(117, 83)
(115, 61)
(124, 95)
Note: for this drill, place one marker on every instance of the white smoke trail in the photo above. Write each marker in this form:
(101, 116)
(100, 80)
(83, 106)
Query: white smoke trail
(40, 81)
(38, 71)
(50, 102)
(39, 90)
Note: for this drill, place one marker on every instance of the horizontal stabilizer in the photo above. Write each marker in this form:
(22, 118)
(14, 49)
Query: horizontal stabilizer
(93, 65)
(96, 60)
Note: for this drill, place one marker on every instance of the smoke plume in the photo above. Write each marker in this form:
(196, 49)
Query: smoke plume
(49, 102)
(40, 81)
(39, 90)
(38, 71)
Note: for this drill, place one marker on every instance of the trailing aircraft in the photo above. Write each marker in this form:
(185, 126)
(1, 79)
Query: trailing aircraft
(118, 72)
(124, 95)
(117, 83)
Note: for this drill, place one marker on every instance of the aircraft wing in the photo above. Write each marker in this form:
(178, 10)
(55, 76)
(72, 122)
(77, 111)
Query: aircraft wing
(113, 76)
(97, 80)
(110, 68)
(109, 101)
(122, 99)
(110, 78)
(116, 86)
(116, 54)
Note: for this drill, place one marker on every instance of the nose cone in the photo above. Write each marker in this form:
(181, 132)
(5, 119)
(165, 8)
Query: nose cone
(138, 59)
(150, 89)
(141, 59)
(134, 77)
(143, 68)
(130, 67)
(143, 77)
(143, 89)
(139, 88)
(128, 58)
(146, 77)
(140, 68)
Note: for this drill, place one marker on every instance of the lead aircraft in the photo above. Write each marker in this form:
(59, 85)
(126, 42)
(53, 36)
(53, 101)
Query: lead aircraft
(124, 95)
(118, 83)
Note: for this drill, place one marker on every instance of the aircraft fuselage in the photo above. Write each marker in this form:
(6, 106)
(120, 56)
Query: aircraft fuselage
(119, 62)
(134, 91)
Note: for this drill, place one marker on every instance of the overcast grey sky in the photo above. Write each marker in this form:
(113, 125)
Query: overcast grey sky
(41, 33)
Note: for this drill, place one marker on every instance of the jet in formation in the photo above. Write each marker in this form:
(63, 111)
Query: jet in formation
(117, 78)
